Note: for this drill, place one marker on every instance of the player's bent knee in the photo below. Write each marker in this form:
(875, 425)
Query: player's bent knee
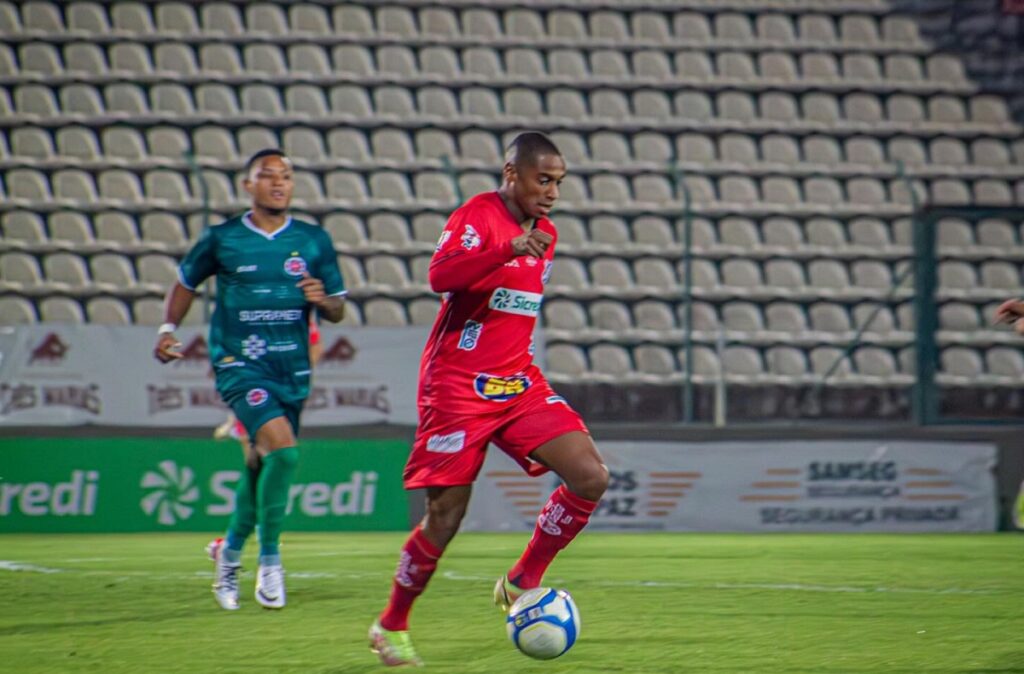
(286, 456)
(591, 483)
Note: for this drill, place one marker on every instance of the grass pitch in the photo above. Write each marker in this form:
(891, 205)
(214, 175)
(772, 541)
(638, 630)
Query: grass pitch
(649, 603)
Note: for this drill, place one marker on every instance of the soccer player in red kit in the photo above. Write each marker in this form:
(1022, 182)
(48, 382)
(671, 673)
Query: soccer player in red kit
(478, 384)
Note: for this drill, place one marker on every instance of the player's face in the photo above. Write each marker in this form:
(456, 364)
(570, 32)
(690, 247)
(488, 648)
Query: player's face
(535, 188)
(270, 183)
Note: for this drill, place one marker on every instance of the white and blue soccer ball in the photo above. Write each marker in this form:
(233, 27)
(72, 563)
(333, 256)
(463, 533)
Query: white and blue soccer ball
(544, 623)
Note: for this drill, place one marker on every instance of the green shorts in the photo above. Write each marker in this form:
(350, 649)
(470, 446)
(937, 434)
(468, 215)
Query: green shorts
(256, 403)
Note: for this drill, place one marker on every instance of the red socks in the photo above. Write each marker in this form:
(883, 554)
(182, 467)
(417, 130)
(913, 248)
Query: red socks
(564, 516)
(415, 567)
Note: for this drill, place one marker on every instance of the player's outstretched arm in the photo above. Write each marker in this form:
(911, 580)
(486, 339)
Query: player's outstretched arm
(179, 300)
(330, 307)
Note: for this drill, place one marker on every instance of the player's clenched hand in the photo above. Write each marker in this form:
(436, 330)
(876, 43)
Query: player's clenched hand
(1009, 312)
(534, 243)
(312, 288)
(167, 346)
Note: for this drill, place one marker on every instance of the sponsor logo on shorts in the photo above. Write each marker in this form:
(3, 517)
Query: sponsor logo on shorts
(517, 302)
(245, 268)
(500, 389)
(253, 347)
(470, 335)
(257, 397)
(447, 444)
(470, 238)
(556, 400)
(295, 266)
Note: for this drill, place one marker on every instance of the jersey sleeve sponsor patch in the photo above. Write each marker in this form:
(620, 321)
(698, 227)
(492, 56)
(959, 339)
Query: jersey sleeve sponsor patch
(470, 238)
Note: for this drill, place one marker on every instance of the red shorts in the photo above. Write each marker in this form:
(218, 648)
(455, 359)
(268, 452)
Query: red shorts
(449, 449)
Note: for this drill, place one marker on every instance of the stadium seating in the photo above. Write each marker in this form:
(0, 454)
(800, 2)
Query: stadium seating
(804, 133)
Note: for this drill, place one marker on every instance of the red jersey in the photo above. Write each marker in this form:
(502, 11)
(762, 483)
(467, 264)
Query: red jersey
(480, 352)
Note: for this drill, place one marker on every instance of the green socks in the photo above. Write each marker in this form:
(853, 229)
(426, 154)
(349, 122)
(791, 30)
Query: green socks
(272, 499)
(243, 520)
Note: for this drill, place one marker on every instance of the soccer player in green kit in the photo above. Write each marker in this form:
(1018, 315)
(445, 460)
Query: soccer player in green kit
(272, 271)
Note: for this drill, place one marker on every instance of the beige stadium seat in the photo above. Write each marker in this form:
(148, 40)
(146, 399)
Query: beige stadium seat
(389, 228)
(863, 108)
(16, 310)
(562, 314)
(652, 230)
(353, 60)
(176, 17)
(874, 318)
(482, 22)
(741, 274)
(652, 104)
(610, 273)
(264, 60)
(163, 141)
(262, 101)
(784, 274)
(996, 232)
(176, 100)
(386, 313)
(864, 150)
(959, 316)
(396, 60)
(742, 316)
(116, 230)
(113, 270)
(481, 146)
(786, 361)
(348, 145)
(737, 231)
(308, 59)
(779, 231)
(84, 59)
(435, 144)
(609, 147)
(996, 192)
(871, 274)
(819, 66)
(776, 28)
(395, 101)
(36, 100)
(24, 228)
(953, 274)
(828, 274)
(817, 28)
(480, 103)
(568, 273)
(440, 102)
(161, 270)
(823, 150)
(108, 310)
(613, 104)
(961, 362)
(88, 18)
(609, 229)
(908, 150)
(904, 68)
(654, 315)
(606, 188)
(987, 109)
(167, 186)
(60, 310)
(304, 144)
(69, 227)
(347, 186)
(434, 187)
(217, 100)
(129, 100)
(778, 149)
(397, 22)
(990, 152)
(222, 18)
(656, 360)
(439, 63)
(785, 317)
(737, 106)
(744, 361)
(311, 19)
(171, 57)
(427, 227)
(610, 360)
(905, 108)
(439, 22)
(27, 184)
(1001, 275)
(266, 18)
(20, 270)
(825, 359)
(610, 315)
(352, 272)
(1004, 362)
(655, 273)
(858, 29)
(82, 99)
(483, 62)
(654, 147)
(38, 57)
(566, 361)
(67, 269)
(705, 362)
(345, 230)
(353, 20)
(738, 149)
(705, 316)
(738, 190)
(777, 66)
(653, 188)
(954, 232)
(390, 187)
(652, 64)
(691, 26)
(875, 362)
(567, 24)
(164, 229)
(31, 143)
(386, 270)
(393, 144)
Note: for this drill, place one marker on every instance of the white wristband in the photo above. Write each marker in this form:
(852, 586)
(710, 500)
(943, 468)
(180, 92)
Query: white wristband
(166, 329)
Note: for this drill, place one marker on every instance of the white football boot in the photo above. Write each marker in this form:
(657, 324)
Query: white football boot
(225, 578)
(270, 586)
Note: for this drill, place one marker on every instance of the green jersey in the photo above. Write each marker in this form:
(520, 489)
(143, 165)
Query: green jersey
(260, 327)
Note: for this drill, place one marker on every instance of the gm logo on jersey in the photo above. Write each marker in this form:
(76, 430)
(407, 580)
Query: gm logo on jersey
(470, 335)
(516, 302)
(500, 389)
(295, 266)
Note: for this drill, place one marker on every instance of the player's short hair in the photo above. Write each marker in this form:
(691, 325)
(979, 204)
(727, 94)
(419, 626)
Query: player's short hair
(526, 147)
(268, 152)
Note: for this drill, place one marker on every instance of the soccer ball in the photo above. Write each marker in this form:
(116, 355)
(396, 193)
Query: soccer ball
(543, 623)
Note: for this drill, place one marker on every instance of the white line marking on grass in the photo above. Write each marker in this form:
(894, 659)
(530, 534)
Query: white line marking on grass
(782, 587)
(9, 565)
(84, 560)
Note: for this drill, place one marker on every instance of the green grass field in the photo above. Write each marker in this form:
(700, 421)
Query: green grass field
(649, 603)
